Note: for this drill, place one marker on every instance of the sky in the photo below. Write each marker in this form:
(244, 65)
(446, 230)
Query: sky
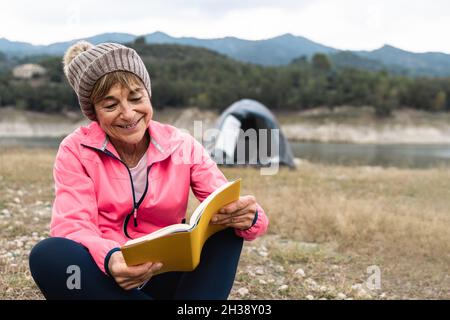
(413, 25)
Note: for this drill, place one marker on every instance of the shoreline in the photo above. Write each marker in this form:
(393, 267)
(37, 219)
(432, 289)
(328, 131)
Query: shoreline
(339, 133)
(337, 126)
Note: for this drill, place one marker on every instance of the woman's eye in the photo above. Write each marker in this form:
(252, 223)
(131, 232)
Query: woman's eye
(110, 107)
(136, 99)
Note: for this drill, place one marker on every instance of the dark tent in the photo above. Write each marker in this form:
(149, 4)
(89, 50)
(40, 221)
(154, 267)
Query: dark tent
(249, 125)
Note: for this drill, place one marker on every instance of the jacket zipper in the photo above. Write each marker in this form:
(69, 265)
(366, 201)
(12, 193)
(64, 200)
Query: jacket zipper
(140, 201)
(135, 205)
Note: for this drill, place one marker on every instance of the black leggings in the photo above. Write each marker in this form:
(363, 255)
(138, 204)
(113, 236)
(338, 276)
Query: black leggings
(212, 279)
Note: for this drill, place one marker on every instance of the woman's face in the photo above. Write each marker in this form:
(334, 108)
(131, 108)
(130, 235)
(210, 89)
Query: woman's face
(125, 114)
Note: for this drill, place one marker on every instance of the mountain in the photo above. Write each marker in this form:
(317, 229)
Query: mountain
(280, 50)
(17, 48)
(21, 49)
(349, 59)
(60, 47)
(430, 63)
(275, 51)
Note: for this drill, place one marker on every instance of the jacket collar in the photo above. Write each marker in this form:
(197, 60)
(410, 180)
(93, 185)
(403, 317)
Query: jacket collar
(164, 140)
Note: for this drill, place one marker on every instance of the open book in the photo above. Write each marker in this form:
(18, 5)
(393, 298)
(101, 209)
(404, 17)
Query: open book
(179, 246)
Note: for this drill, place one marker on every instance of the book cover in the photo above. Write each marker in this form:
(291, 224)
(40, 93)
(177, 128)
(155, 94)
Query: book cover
(178, 247)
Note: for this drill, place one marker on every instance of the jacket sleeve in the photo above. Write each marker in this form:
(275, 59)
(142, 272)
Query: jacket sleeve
(207, 177)
(75, 210)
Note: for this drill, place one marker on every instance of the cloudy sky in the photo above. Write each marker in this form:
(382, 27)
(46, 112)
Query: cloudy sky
(414, 25)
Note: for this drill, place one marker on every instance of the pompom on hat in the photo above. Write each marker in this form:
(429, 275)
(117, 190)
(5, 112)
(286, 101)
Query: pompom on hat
(85, 63)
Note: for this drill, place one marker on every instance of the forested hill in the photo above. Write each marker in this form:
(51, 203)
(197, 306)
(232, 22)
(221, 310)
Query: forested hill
(191, 76)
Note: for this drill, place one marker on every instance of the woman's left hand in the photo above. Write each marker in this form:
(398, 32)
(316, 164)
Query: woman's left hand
(238, 214)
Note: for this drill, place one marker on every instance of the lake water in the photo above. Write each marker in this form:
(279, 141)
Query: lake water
(397, 155)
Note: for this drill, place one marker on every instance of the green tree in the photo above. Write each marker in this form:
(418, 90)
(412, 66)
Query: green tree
(440, 101)
(321, 62)
(140, 40)
(385, 98)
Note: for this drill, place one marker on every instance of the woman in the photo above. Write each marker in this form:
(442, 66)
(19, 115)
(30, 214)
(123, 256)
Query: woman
(120, 178)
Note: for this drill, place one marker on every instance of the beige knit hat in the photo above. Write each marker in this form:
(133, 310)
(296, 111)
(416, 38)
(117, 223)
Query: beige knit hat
(85, 63)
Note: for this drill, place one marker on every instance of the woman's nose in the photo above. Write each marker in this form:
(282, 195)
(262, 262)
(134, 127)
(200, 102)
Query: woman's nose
(127, 111)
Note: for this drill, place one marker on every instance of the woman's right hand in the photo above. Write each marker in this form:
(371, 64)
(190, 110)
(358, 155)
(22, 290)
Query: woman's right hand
(130, 277)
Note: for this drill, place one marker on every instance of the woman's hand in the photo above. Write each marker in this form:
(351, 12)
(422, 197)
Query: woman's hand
(238, 214)
(130, 277)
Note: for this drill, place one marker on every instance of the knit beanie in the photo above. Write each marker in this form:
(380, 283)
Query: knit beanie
(85, 63)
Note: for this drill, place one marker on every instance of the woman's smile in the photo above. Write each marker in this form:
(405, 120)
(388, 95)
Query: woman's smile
(130, 127)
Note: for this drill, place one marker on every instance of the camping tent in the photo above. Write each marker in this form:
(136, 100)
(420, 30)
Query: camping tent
(249, 126)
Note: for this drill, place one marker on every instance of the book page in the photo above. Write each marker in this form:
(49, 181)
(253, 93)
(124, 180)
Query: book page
(199, 210)
(179, 227)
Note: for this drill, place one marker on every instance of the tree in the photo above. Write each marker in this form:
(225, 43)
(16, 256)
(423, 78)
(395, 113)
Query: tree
(140, 40)
(440, 101)
(321, 62)
(385, 99)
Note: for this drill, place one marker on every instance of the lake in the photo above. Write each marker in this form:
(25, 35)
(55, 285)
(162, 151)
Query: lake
(396, 155)
(385, 155)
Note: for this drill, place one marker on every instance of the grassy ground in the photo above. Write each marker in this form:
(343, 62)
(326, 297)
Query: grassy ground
(328, 224)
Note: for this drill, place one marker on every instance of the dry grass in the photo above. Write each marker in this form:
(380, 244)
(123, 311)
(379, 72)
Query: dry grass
(327, 225)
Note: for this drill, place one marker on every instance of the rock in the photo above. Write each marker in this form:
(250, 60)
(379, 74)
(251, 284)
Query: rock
(323, 289)
(283, 287)
(334, 267)
(300, 273)
(16, 200)
(309, 297)
(341, 296)
(243, 291)
(279, 268)
(259, 270)
(311, 284)
(360, 292)
(356, 287)
(262, 281)
(363, 294)
(263, 253)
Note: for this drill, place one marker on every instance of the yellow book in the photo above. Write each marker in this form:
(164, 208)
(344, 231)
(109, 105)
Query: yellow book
(178, 247)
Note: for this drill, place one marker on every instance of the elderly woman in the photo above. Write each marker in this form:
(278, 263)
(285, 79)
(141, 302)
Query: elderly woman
(119, 178)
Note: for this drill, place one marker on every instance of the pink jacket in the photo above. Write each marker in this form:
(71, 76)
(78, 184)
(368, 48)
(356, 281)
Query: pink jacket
(94, 203)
